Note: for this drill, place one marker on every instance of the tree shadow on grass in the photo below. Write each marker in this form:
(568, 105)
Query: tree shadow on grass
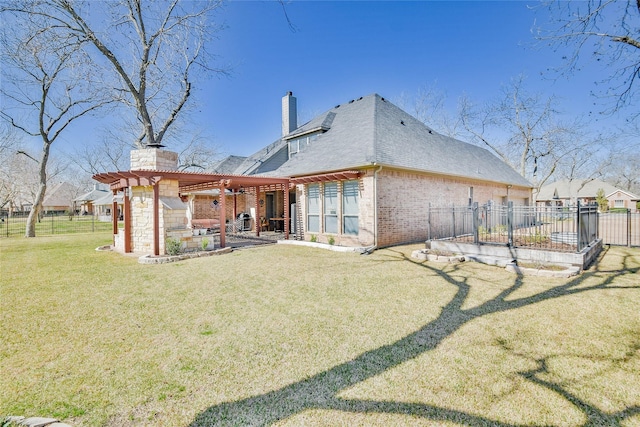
(321, 391)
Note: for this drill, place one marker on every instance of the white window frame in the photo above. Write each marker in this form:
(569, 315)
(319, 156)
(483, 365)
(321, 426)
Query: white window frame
(349, 214)
(313, 210)
(330, 204)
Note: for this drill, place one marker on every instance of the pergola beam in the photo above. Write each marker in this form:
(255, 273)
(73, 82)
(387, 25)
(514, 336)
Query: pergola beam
(190, 182)
(336, 176)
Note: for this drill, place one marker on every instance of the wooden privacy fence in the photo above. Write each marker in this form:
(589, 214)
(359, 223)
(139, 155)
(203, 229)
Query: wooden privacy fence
(565, 229)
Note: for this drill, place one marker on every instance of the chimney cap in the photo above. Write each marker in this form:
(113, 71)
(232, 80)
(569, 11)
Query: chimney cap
(154, 145)
(289, 93)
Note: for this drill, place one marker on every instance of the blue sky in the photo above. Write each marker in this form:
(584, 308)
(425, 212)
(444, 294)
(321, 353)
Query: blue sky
(341, 50)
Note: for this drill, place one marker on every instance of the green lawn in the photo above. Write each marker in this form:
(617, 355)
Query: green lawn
(289, 336)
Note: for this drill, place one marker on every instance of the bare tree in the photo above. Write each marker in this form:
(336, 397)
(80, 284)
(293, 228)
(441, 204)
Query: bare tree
(110, 153)
(428, 105)
(152, 49)
(526, 131)
(606, 30)
(198, 154)
(47, 89)
(9, 144)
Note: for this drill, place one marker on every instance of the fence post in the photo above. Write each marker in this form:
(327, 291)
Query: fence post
(578, 232)
(476, 237)
(628, 227)
(453, 224)
(429, 222)
(510, 223)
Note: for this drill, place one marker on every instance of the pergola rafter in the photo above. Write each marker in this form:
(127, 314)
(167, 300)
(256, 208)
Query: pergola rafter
(190, 182)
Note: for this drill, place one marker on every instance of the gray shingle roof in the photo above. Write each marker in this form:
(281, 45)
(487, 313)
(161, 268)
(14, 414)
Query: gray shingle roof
(228, 165)
(92, 195)
(372, 131)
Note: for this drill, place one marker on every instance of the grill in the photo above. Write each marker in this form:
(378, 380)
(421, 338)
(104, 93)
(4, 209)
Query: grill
(243, 221)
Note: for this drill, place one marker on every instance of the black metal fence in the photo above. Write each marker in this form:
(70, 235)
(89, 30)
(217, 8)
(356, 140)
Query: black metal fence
(565, 229)
(52, 223)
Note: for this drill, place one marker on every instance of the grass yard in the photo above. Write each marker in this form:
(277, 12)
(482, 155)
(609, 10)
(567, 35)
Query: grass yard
(288, 336)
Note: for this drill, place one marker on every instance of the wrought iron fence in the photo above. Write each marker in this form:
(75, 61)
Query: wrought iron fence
(565, 229)
(52, 223)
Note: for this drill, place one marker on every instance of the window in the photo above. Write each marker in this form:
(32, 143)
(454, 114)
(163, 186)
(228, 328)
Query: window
(350, 207)
(331, 207)
(618, 203)
(313, 208)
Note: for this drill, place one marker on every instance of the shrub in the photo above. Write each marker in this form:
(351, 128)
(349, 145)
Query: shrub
(603, 202)
(501, 229)
(174, 247)
(314, 238)
(332, 240)
(204, 244)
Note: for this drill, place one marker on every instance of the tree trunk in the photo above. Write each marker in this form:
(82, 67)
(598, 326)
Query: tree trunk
(42, 189)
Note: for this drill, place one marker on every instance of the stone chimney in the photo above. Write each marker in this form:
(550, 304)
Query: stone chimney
(153, 159)
(289, 114)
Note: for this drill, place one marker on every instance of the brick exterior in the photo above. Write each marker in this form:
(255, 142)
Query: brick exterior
(402, 200)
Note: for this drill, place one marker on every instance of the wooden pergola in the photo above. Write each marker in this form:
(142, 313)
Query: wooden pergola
(189, 182)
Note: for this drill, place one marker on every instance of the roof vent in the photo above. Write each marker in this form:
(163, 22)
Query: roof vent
(337, 106)
(351, 102)
(402, 122)
(430, 131)
(359, 98)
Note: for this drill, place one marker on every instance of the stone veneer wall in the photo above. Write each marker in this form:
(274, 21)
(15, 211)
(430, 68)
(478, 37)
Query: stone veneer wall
(172, 211)
(153, 159)
(142, 219)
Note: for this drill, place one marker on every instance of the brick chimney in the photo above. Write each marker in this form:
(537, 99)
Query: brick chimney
(289, 114)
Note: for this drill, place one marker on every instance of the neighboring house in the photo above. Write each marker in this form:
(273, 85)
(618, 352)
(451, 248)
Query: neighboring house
(569, 192)
(365, 173)
(103, 206)
(60, 198)
(86, 201)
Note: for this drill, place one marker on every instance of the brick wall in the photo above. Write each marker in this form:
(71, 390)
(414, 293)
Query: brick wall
(402, 200)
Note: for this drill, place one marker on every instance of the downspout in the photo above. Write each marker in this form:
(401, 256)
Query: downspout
(375, 207)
